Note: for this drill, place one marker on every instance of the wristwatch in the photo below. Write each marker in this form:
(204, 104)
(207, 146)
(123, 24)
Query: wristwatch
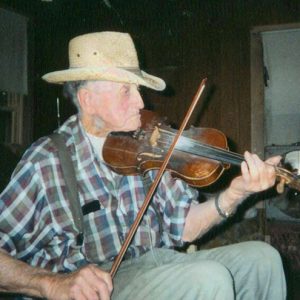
(223, 213)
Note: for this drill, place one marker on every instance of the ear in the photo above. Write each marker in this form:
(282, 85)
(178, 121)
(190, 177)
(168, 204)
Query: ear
(85, 100)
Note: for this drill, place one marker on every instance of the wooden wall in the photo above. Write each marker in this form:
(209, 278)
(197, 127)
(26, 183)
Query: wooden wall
(181, 41)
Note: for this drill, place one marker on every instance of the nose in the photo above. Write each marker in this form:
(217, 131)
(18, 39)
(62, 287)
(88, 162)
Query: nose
(140, 101)
(137, 99)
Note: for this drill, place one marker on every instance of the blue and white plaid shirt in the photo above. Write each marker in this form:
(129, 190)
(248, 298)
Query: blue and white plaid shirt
(36, 224)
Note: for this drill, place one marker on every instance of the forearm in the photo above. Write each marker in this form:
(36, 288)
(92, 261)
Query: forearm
(255, 176)
(202, 217)
(89, 282)
(18, 277)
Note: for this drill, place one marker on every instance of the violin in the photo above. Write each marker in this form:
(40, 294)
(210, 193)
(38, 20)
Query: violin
(200, 156)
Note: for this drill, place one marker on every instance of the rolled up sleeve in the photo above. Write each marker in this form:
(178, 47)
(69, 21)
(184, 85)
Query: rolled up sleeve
(17, 208)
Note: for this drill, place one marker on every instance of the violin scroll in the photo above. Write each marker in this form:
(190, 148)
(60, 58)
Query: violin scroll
(288, 178)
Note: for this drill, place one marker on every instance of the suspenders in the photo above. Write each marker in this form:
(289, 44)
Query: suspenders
(72, 189)
(71, 183)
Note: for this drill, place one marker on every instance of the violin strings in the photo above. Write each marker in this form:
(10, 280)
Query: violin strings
(213, 153)
(192, 146)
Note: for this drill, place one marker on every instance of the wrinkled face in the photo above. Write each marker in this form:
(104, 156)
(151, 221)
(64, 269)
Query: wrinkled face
(114, 106)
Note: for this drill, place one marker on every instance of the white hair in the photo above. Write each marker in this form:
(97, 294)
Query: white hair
(70, 90)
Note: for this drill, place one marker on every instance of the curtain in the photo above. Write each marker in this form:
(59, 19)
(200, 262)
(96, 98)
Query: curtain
(13, 52)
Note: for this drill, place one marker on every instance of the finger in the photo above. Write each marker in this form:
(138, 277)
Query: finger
(81, 288)
(245, 172)
(274, 160)
(266, 170)
(103, 292)
(252, 161)
(104, 276)
(261, 174)
(92, 286)
(266, 173)
(260, 166)
(102, 282)
(97, 293)
(76, 294)
(96, 290)
(271, 174)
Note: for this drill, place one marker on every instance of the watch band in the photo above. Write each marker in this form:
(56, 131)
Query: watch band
(221, 212)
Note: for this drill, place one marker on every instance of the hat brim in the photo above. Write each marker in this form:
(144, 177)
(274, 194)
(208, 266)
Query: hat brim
(106, 73)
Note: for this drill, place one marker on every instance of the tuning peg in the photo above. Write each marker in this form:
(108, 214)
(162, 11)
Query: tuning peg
(280, 186)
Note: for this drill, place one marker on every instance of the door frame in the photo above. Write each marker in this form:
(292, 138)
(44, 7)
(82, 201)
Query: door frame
(257, 84)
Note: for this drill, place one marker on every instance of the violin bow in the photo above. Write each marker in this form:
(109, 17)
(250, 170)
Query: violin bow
(156, 181)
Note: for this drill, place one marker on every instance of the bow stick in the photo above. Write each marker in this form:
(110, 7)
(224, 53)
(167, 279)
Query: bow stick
(155, 183)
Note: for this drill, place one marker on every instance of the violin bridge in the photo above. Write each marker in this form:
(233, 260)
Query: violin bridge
(154, 137)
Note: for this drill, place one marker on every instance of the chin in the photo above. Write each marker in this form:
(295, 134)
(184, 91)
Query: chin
(135, 125)
(133, 128)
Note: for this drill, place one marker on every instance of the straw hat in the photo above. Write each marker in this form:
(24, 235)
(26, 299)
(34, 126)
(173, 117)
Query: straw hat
(104, 56)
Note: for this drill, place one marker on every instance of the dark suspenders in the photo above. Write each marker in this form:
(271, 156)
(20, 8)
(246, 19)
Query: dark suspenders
(71, 183)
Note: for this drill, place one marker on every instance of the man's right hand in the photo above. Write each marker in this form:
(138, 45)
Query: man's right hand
(87, 283)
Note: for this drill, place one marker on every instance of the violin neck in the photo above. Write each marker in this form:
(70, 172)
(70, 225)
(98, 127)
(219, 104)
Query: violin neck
(193, 147)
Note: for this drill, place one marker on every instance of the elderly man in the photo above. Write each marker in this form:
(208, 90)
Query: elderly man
(43, 254)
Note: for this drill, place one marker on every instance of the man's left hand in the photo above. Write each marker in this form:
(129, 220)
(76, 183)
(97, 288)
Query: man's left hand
(256, 176)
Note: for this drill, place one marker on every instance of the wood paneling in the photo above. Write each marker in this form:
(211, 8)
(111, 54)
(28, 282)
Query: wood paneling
(181, 41)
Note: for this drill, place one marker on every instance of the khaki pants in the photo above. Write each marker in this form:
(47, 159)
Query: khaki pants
(245, 271)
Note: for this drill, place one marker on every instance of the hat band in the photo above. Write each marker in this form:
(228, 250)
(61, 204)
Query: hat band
(135, 71)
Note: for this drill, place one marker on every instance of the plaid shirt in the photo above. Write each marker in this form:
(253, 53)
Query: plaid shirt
(36, 224)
